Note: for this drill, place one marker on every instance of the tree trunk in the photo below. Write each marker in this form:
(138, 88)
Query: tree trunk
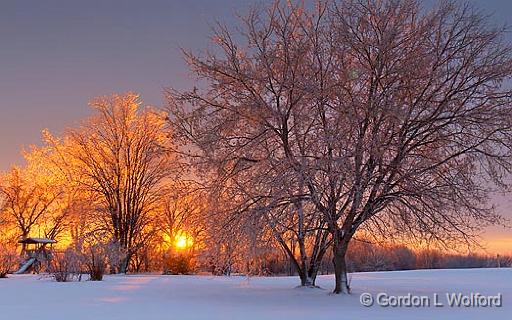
(24, 235)
(306, 280)
(123, 264)
(312, 273)
(340, 268)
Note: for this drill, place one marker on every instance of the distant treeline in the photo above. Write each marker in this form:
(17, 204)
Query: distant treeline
(368, 257)
(365, 257)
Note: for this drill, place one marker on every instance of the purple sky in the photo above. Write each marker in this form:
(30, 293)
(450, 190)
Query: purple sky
(56, 55)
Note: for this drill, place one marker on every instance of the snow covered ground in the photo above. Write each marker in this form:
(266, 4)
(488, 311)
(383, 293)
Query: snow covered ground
(204, 297)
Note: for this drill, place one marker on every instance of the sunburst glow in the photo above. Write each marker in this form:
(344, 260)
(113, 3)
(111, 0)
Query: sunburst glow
(183, 241)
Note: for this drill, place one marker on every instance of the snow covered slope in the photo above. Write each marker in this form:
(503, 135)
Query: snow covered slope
(204, 297)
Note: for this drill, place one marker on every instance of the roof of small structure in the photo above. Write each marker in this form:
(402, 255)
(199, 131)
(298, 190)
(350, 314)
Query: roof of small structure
(37, 240)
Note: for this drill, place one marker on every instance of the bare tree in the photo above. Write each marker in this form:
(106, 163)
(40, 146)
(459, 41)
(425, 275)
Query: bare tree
(425, 118)
(120, 157)
(381, 115)
(243, 126)
(27, 201)
(9, 258)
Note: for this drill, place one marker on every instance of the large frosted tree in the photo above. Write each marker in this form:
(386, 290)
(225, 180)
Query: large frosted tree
(384, 116)
(119, 157)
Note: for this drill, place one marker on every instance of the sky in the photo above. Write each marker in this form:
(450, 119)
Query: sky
(57, 55)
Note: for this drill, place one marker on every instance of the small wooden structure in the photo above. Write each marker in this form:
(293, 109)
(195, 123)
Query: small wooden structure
(36, 252)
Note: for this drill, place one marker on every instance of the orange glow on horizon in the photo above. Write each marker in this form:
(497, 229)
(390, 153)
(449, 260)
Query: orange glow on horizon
(497, 244)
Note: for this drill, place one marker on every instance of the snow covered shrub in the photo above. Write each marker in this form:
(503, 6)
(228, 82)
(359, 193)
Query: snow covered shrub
(98, 254)
(223, 258)
(65, 266)
(179, 264)
(8, 260)
(117, 257)
(95, 261)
